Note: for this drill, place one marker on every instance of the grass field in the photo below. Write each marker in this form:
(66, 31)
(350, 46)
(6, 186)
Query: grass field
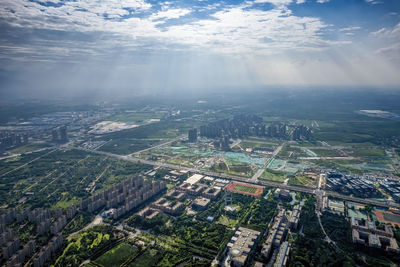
(149, 258)
(273, 176)
(117, 255)
(369, 152)
(228, 222)
(247, 189)
(128, 146)
(28, 148)
(326, 152)
(303, 181)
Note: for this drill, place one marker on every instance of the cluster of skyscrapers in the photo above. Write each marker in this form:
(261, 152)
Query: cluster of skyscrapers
(247, 125)
(123, 197)
(120, 199)
(14, 252)
(284, 221)
(11, 140)
(59, 134)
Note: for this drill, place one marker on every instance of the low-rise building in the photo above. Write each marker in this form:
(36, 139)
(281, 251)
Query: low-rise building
(201, 203)
(366, 233)
(194, 189)
(168, 206)
(177, 195)
(241, 244)
(211, 192)
(282, 194)
(148, 213)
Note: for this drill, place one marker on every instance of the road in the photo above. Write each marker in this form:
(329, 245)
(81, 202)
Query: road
(159, 145)
(243, 179)
(235, 143)
(327, 238)
(96, 221)
(258, 173)
(327, 158)
(26, 164)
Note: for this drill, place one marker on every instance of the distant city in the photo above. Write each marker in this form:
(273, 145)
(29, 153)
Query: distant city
(165, 185)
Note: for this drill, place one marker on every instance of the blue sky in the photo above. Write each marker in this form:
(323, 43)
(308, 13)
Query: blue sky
(149, 46)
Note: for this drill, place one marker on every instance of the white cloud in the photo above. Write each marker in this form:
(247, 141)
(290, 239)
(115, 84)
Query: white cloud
(323, 1)
(354, 28)
(231, 30)
(374, 2)
(238, 29)
(300, 1)
(170, 13)
(393, 32)
(275, 2)
(392, 52)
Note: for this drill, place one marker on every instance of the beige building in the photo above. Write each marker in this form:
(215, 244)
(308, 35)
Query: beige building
(241, 244)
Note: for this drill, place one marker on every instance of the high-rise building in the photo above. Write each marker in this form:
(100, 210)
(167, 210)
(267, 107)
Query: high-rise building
(192, 135)
(54, 134)
(59, 134)
(63, 133)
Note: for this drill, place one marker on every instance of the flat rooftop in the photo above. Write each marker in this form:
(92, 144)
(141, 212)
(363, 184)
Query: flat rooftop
(194, 179)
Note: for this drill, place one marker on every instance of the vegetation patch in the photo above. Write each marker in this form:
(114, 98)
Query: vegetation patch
(117, 255)
(275, 176)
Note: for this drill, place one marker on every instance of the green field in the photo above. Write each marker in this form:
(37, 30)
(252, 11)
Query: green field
(244, 188)
(128, 146)
(117, 255)
(273, 176)
(376, 152)
(28, 148)
(228, 222)
(149, 258)
(302, 181)
(326, 152)
(60, 178)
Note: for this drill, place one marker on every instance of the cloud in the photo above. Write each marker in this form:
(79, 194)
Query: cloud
(187, 43)
(354, 28)
(237, 29)
(274, 2)
(170, 13)
(374, 2)
(231, 30)
(393, 32)
(323, 1)
(392, 51)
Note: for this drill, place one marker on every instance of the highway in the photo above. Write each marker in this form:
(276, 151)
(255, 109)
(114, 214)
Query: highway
(245, 179)
(261, 170)
(26, 164)
(159, 145)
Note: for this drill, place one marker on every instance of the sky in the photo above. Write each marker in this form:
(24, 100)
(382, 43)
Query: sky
(117, 47)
